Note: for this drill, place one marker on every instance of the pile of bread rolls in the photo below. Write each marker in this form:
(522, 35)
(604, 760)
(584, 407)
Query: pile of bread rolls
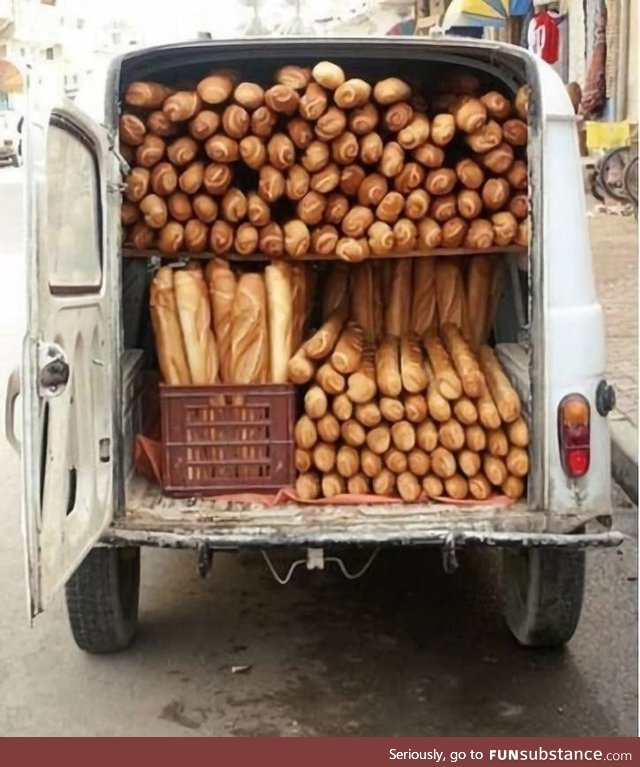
(318, 163)
(214, 326)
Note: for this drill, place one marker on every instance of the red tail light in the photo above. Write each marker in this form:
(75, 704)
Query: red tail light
(574, 435)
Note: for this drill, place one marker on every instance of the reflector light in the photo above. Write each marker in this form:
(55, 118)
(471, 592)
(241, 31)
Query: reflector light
(574, 435)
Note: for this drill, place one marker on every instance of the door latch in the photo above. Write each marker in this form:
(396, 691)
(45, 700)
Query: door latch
(54, 370)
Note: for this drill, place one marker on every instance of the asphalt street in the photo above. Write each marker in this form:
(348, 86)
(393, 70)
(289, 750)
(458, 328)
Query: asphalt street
(406, 650)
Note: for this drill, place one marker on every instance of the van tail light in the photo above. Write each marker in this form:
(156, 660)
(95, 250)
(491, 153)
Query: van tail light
(574, 435)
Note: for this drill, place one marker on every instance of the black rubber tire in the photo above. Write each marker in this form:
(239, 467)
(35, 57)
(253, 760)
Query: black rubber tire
(620, 156)
(102, 599)
(631, 180)
(543, 591)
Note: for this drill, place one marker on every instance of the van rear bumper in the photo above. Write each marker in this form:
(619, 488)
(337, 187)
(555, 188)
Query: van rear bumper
(175, 523)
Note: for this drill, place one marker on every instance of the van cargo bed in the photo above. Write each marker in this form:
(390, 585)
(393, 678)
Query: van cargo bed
(155, 520)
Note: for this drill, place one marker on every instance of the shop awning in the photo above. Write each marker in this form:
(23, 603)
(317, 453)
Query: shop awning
(11, 80)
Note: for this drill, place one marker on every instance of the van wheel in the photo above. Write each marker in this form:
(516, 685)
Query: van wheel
(543, 594)
(102, 599)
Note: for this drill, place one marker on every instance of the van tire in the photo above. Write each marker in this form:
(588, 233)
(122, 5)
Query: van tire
(102, 599)
(543, 591)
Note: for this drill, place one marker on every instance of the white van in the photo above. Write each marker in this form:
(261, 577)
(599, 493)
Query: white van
(86, 514)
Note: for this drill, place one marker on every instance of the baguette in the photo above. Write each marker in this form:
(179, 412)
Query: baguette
(342, 407)
(323, 340)
(362, 385)
(504, 395)
(497, 443)
(456, 487)
(250, 337)
(368, 414)
(363, 300)
(487, 411)
(166, 329)
(305, 434)
(315, 403)
(388, 367)
(465, 363)
(451, 435)
(495, 294)
(370, 462)
(479, 487)
(222, 286)
(475, 438)
(447, 381)
(469, 462)
(347, 461)
(418, 462)
(384, 483)
(403, 436)
(395, 460)
(379, 439)
(465, 411)
(392, 409)
(329, 379)
(397, 314)
(450, 293)
(415, 407)
(513, 487)
(195, 320)
(424, 307)
(301, 302)
(432, 486)
(300, 369)
(517, 462)
(494, 469)
(358, 484)
(518, 433)
(335, 296)
(352, 433)
(333, 484)
(303, 460)
(414, 377)
(408, 487)
(324, 457)
(328, 428)
(427, 436)
(437, 405)
(348, 350)
(308, 486)
(443, 464)
(277, 277)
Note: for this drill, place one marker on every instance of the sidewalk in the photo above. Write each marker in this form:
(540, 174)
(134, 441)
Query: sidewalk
(614, 244)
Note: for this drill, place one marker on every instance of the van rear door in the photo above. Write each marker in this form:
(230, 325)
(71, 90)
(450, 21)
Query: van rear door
(68, 371)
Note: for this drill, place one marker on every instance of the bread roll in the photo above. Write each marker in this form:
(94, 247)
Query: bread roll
(519, 207)
(352, 250)
(469, 204)
(246, 239)
(331, 124)
(379, 439)
(164, 179)
(311, 208)
(392, 160)
(324, 458)
(302, 460)
(415, 406)
(432, 486)
(470, 173)
(504, 395)
(329, 379)
(271, 241)
(429, 155)
(368, 414)
(494, 469)
(195, 320)
(146, 94)
(480, 235)
(384, 483)
(362, 385)
(487, 411)
(388, 367)
(417, 204)
(443, 464)
(446, 379)
(328, 428)
(518, 176)
(370, 463)
(381, 238)
(281, 99)
(352, 94)
(499, 160)
(154, 211)
(337, 208)
(454, 232)
(515, 132)
(196, 236)
(495, 193)
(440, 181)
(326, 180)
(158, 123)
(217, 178)
(347, 461)
(249, 332)
(348, 350)
(323, 341)
(409, 178)
(150, 151)
(332, 485)
(408, 487)
(418, 462)
(486, 138)
(137, 184)
(141, 236)
(328, 75)
(372, 190)
(166, 328)
(405, 235)
(469, 462)
(357, 221)
(518, 433)
(271, 184)
(522, 101)
(350, 179)
(304, 433)
(182, 105)
(427, 436)
(293, 76)
(442, 210)
(416, 133)
(391, 90)
(296, 238)
(403, 436)
(470, 114)
(249, 95)
(498, 107)
(398, 116)
(392, 409)
(505, 227)
(129, 213)
(522, 238)
(390, 207)
(443, 129)
(479, 487)
(132, 130)
(308, 486)
(513, 487)
(263, 121)
(364, 119)
(517, 462)
(221, 237)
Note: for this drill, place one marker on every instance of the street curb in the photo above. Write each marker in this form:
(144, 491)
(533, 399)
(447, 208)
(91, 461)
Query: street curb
(624, 453)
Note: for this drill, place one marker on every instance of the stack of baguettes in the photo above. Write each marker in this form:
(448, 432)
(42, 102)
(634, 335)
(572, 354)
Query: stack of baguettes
(215, 326)
(405, 397)
(321, 164)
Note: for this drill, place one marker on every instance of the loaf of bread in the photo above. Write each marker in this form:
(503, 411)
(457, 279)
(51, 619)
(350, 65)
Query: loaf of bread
(328, 428)
(415, 406)
(335, 294)
(277, 277)
(342, 407)
(149, 95)
(347, 461)
(384, 483)
(392, 409)
(424, 311)
(398, 309)
(443, 463)
(368, 414)
(221, 283)
(504, 395)
(370, 463)
(427, 436)
(388, 367)
(465, 411)
(414, 377)
(450, 293)
(362, 386)
(166, 328)
(195, 320)
(437, 405)
(329, 379)
(324, 339)
(348, 349)
(469, 462)
(446, 378)
(308, 486)
(403, 436)
(432, 486)
(497, 443)
(518, 433)
(249, 332)
(465, 363)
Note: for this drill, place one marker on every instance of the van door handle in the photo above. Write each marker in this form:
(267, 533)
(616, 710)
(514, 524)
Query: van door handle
(54, 370)
(13, 392)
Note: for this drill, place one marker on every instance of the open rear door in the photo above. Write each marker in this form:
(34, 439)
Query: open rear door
(67, 376)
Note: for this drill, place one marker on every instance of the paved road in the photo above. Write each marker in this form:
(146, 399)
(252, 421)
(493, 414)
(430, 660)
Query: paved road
(405, 651)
